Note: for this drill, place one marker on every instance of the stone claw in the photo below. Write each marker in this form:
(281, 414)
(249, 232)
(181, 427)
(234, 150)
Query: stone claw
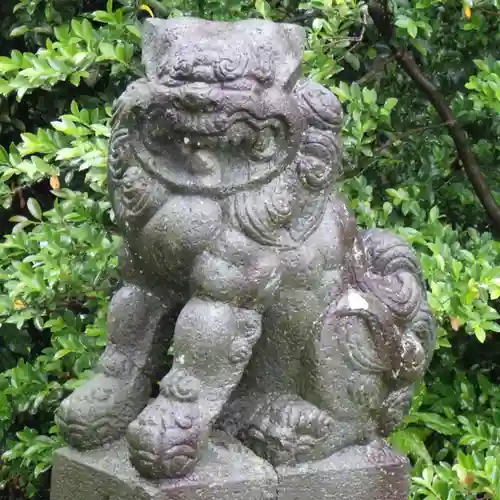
(307, 420)
(288, 428)
(166, 439)
(100, 410)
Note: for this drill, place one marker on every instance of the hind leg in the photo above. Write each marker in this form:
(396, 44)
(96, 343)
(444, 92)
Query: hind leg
(140, 327)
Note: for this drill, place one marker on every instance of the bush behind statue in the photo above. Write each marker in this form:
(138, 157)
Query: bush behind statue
(62, 65)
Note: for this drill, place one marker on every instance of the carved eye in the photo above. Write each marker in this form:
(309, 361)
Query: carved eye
(264, 145)
(318, 151)
(182, 68)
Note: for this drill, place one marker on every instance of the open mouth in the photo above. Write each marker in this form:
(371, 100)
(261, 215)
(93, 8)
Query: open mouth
(214, 152)
(240, 135)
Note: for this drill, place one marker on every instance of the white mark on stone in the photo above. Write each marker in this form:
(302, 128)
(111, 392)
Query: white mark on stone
(356, 301)
(181, 359)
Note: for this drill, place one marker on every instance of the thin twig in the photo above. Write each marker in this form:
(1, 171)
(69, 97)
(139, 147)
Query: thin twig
(379, 66)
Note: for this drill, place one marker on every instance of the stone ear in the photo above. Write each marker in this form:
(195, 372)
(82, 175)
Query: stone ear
(155, 43)
(295, 36)
(158, 38)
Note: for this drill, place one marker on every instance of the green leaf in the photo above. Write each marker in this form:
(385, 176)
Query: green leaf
(19, 31)
(480, 333)
(121, 53)
(342, 91)
(87, 30)
(412, 29)
(5, 87)
(7, 65)
(390, 103)
(44, 167)
(134, 30)
(402, 22)
(263, 8)
(420, 45)
(61, 33)
(62, 353)
(407, 24)
(435, 422)
(410, 443)
(433, 214)
(369, 96)
(76, 27)
(107, 50)
(34, 208)
(353, 60)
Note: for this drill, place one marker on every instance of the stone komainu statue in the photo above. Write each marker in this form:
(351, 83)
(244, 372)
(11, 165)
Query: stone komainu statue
(291, 329)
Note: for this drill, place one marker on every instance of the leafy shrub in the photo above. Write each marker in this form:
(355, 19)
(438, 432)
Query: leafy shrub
(64, 61)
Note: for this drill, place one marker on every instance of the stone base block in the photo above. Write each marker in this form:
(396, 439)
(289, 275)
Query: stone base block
(229, 471)
(373, 472)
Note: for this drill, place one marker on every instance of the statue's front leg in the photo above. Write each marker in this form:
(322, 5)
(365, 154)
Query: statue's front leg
(213, 342)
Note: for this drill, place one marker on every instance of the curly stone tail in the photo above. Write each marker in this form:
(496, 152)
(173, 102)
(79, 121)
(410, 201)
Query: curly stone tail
(396, 265)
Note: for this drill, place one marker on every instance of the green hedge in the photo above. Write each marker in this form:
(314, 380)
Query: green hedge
(62, 64)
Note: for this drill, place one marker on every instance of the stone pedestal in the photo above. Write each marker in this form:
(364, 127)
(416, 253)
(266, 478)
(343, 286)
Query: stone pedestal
(229, 471)
(372, 472)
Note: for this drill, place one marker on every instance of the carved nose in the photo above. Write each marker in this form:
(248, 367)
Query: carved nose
(196, 99)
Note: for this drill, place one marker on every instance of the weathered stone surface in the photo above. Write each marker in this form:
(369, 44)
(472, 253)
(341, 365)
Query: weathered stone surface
(292, 329)
(356, 473)
(228, 471)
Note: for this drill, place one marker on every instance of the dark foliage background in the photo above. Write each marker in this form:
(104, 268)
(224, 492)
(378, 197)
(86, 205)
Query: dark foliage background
(420, 82)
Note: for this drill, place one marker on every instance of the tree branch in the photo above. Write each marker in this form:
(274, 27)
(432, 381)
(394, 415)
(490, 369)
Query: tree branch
(383, 21)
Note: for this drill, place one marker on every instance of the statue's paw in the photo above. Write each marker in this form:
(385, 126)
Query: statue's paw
(290, 429)
(100, 410)
(309, 423)
(166, 439)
